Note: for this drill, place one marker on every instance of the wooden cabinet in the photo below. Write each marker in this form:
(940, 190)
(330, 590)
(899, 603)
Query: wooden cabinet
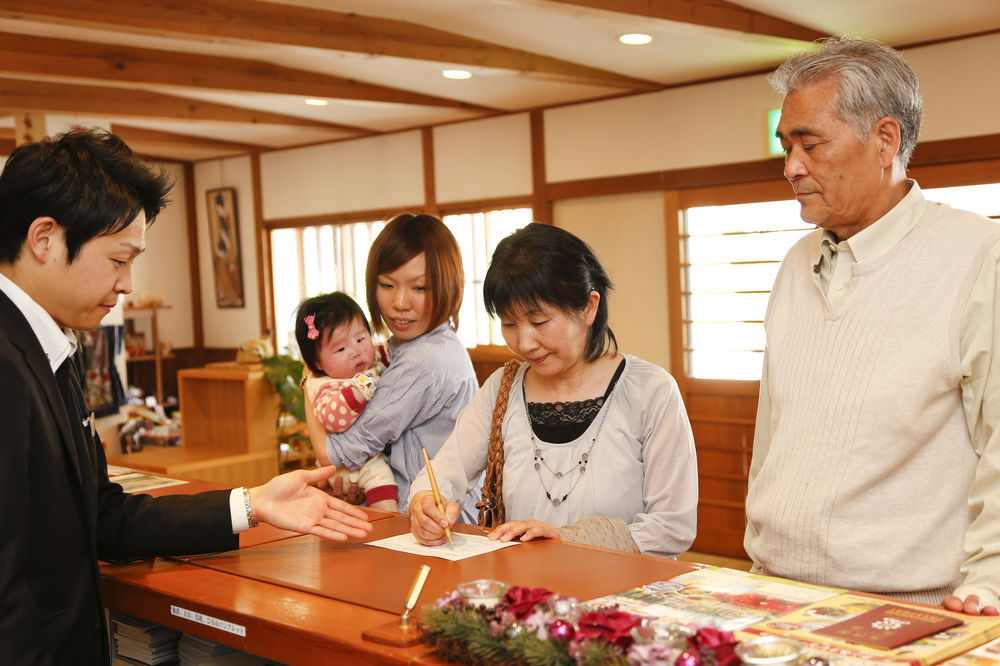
(228, 407)
(155, 353)
(228, 428)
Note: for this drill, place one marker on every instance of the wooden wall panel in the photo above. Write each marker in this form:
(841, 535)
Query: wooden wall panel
(488, 359)
(732, 489)
(723, 434)
(720, 461)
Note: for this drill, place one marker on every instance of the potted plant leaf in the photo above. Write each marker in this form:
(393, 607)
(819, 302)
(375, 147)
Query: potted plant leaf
(284, 373)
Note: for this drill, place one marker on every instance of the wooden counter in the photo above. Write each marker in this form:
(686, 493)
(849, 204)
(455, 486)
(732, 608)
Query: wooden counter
(320, 596)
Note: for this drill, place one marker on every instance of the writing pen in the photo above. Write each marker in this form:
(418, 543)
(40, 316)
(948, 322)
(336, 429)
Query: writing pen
(411, 599)
(437, 493)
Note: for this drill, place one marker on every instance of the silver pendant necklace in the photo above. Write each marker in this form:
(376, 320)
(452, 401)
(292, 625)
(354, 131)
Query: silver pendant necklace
(581, 464)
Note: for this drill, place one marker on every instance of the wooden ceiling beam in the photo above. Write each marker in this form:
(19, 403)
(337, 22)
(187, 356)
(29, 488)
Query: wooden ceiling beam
(28, 54)
(267, 22)
(140, 135)
(709, 13)
(22, 94)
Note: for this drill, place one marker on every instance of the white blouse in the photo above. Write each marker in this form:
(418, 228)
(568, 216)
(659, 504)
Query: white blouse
(642, 468)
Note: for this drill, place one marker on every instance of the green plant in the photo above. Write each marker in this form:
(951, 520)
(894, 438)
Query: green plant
(284, 373)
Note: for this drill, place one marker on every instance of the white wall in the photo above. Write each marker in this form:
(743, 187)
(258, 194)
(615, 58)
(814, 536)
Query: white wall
(714, 123)
(628, 236)
(960, 82)
(726, 121)
(164, 267)
(376, 172)
(483, 159)
(228, 327)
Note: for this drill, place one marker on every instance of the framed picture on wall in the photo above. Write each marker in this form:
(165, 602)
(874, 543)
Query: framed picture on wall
(224, 235)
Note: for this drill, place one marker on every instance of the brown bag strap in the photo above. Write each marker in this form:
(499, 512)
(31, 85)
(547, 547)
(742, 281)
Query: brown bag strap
(491, 509)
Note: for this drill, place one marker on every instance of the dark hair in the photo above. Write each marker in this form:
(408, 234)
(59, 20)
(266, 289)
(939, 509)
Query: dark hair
(403, 238)
(330, 312)
(87, 180)
(545, 265)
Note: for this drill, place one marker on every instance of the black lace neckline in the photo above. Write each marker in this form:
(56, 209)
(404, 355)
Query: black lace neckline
(561, 422)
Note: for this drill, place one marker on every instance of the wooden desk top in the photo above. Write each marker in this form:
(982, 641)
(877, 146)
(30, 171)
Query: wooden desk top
(347, 571)
(305, 600)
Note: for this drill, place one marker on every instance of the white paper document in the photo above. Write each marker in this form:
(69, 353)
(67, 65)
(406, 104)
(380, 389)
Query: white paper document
(465, 545)
(135, 483)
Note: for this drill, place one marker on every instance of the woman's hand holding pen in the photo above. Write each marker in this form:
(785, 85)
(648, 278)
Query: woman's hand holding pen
(427, 523)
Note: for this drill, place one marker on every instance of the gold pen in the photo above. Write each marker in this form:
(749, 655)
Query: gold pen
(437, 493)
(411, 598)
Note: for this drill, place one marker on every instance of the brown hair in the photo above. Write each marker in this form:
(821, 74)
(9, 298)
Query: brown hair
(403, 238)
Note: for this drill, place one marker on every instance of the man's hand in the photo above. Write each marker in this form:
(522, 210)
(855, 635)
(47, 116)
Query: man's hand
(427, 523)
(971, 606)
(352, 494)
(293, 502)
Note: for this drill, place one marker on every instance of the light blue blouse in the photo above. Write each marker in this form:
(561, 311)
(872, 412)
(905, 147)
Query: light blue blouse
(428, 382)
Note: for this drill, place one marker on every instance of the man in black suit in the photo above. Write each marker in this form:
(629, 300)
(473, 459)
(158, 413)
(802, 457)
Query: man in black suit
(73, 216)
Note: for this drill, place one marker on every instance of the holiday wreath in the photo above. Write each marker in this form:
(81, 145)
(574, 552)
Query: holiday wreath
(537, 627)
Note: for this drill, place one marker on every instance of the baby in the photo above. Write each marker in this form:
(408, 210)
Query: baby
(336, 345)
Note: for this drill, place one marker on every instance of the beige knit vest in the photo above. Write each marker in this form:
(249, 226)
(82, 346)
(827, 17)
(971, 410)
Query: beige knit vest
(866, 478)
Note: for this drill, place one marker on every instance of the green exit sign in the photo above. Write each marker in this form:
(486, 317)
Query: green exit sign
(773, 144)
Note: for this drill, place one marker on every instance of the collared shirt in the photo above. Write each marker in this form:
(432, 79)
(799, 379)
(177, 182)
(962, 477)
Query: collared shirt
(837, 259)
(57, 343)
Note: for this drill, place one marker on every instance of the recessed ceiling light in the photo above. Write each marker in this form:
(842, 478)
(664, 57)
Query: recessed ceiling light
(456, 74)
(316, 102)
(635, 39)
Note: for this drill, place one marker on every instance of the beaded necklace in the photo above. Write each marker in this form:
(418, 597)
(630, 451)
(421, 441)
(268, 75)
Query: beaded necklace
(580, 465)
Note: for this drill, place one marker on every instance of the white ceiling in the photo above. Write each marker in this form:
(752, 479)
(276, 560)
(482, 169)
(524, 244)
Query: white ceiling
(99, 59)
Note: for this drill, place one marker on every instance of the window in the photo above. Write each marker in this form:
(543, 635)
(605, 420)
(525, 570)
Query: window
(731, 256)
(477, 235)
(313, 260)
(981, 199)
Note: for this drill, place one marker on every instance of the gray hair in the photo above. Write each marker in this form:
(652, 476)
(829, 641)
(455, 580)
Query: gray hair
(873, 81)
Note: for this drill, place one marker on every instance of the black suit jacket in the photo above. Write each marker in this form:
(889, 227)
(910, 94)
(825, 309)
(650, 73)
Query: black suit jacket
(59, 513)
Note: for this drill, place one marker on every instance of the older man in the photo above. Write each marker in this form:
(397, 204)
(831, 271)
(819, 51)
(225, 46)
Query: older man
(876, 460)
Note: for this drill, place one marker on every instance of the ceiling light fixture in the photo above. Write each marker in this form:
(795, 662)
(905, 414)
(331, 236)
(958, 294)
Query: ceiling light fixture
(316, 102)
(456, 74)
(635, 39)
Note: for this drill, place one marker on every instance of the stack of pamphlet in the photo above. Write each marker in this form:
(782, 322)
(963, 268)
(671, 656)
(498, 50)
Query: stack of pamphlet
(139, 642)
(984, 655)
(714, 596)
(195, 651)
(849, 629)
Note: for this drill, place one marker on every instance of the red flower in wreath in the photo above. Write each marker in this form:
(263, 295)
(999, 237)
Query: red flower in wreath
(721, 643)
(521, 600)
(614, 626)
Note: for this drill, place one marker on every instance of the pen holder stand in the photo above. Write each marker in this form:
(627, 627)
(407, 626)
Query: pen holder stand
(402, 632)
